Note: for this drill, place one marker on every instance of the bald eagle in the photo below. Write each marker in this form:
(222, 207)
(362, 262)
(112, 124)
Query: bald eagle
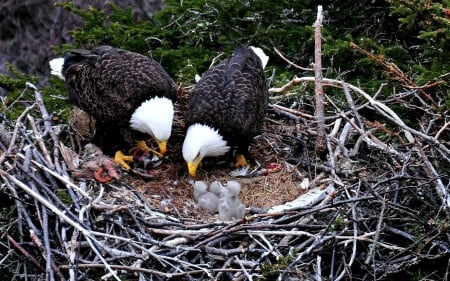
(128, 94)
(226, 108)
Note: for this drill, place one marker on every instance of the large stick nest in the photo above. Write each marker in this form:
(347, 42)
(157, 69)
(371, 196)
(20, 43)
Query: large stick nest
(371, 207)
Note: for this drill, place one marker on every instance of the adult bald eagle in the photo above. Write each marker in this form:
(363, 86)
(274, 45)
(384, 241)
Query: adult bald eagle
(226, 108)
(120, 89)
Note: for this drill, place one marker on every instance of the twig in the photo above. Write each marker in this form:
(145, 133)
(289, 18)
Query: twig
(441, 130)
(24, 252)
(51, 266)
(318, 271)
(59, 177)
(352, 106)
(441, 189)
(292, 111)
(151, 271)
(15, 132)
(47, 124)
(291, 63)
(249, 277)
(38, 138)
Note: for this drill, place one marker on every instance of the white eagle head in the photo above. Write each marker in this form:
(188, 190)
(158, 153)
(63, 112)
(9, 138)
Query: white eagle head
(155, 117)
(261, 55)
(202, 141)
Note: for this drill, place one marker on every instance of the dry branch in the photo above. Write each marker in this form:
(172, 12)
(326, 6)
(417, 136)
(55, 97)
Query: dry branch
(320, 107)
(398, 75)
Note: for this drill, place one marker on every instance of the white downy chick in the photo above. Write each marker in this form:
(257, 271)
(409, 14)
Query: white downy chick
(230, 206)
(200, 187)
(224, 210)
(209, 202)
(205, 199)
(237, 208)
(234, 188)
(217, 188)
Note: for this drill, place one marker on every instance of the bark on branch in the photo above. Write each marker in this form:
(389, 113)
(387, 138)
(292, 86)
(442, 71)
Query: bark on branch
(320, 111)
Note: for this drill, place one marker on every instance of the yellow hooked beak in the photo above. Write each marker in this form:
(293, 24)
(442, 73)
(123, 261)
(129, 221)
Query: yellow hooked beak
(192, 166)
(162, 147)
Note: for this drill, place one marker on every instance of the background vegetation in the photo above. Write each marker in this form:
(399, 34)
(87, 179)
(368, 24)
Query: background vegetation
(186, 36)
(412, 34)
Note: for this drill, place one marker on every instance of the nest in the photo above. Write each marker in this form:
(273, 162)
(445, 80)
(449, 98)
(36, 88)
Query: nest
(373, 206)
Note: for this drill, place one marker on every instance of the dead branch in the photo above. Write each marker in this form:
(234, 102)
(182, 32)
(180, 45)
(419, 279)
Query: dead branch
(320, 108)
(397, 74)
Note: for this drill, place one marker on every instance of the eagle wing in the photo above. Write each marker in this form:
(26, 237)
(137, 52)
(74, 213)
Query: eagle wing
(111, 83)
(232, 97)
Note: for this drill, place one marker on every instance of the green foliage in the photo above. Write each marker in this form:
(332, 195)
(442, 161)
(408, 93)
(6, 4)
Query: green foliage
(64, 196)
(187, 35)
(15, 83)
(338, 223)
(21, 97)
(117, 29)
(16, 80)
(55, 99)
(425, 25)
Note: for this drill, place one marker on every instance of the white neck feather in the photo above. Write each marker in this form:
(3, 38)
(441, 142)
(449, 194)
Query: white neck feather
(154, 117)
(262, 56)
(203, 141)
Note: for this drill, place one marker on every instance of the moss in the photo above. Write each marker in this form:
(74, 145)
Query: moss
(338, 224)
(271, 271)
(64, 196)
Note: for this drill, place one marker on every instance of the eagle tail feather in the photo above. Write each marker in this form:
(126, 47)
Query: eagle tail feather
(56, 67)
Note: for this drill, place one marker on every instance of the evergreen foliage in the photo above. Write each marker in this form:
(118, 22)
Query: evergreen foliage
(186, 35)
(21, 97)
(425, 26)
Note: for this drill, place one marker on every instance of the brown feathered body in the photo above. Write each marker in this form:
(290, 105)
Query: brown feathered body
(232, 98)
(110, 84)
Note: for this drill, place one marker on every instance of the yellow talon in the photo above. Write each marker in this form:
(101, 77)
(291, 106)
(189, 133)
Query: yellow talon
(121, 159)
(240, 161)
(141, 145)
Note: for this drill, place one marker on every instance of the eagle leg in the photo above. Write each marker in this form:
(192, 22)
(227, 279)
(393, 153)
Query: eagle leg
(240, 161)
(121, 159)
(141, 145)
